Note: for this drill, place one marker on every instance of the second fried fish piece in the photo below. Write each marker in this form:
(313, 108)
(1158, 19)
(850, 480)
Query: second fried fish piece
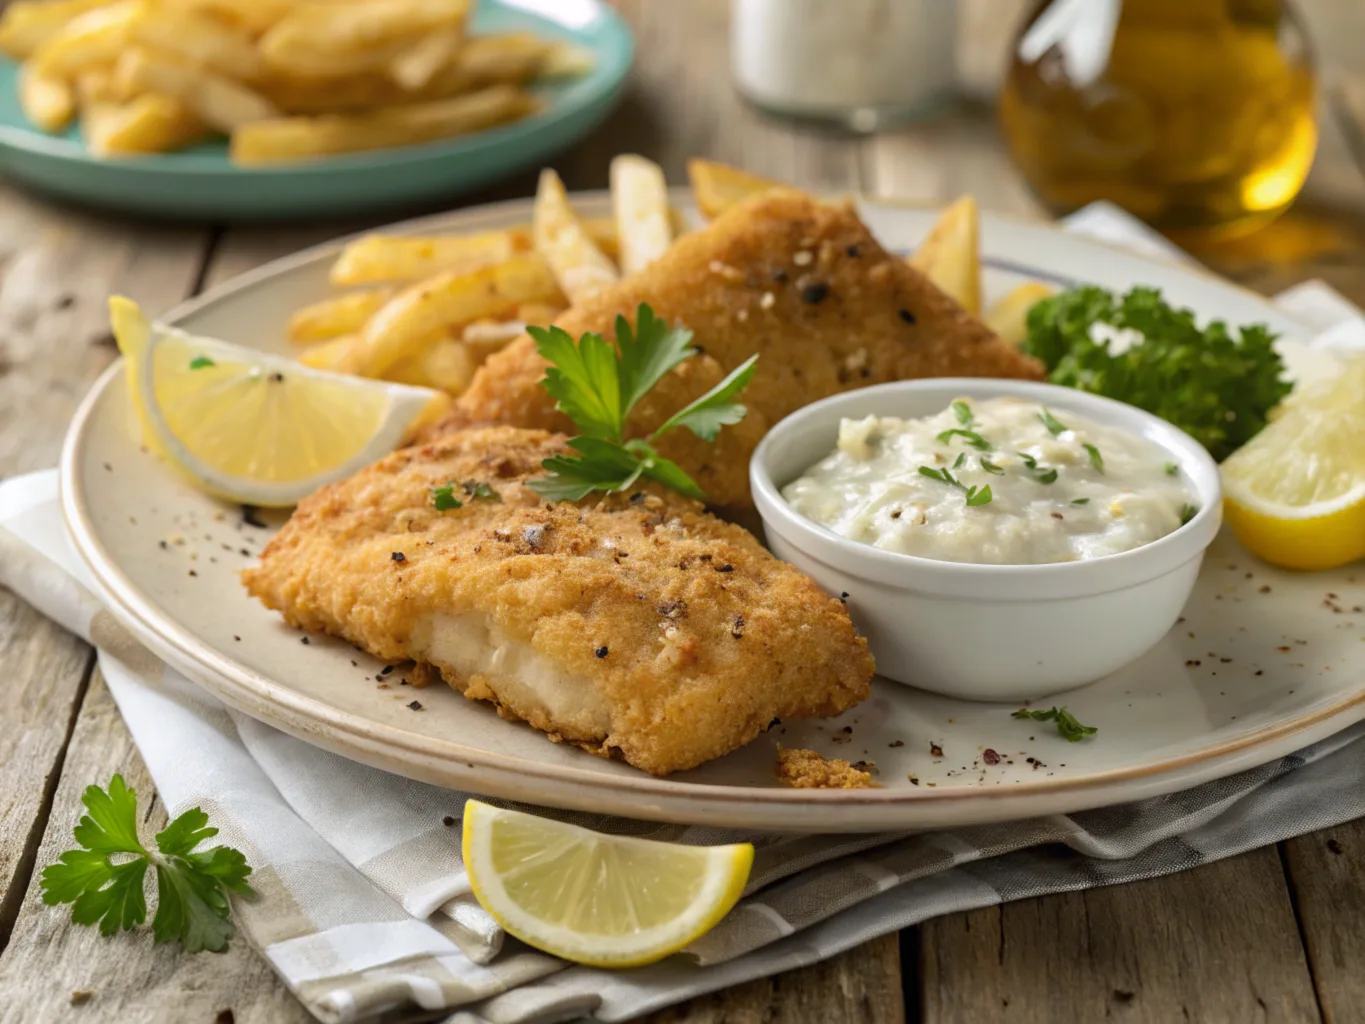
(799, 282)
(636, 625)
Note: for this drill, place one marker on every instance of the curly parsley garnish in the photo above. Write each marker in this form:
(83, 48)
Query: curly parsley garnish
(1070, 729)
(444, 499)
(192, 905)
(1215, 384)
(597, 386)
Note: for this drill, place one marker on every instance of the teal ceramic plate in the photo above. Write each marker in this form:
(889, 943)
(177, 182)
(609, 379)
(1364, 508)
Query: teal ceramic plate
(201, 183)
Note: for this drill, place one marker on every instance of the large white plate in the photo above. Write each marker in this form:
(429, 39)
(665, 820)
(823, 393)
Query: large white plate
(1264, 661)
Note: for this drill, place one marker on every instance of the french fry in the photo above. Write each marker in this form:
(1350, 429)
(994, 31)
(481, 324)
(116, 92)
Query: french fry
(950, 255)
(376, 258)
(96, 85)
(640, 200)
(304, 138)
(332, 318)
(717, 187)
(509, 57)
(150, 123)
(416, 66)
(201, 40)
(95, 37)
(445, 364)
(251, 16)
(538, 313)
(220, 101)
(493, 334)
(580, 267)
(339, 355)
(444, 304)
(376, 30)
(1009, 317)
(25, 27)
(50, 103)
(565, 60)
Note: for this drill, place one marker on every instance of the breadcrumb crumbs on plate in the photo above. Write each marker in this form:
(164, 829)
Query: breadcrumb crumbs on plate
(805, 769)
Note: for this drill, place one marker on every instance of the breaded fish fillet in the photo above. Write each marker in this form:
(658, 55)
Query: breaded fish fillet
(635, 624)
(800, 282)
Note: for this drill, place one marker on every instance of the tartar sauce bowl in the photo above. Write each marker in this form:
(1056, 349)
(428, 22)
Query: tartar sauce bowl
(989, 632)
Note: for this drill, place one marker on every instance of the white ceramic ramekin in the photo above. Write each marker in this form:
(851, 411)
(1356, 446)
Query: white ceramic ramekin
(989, 632)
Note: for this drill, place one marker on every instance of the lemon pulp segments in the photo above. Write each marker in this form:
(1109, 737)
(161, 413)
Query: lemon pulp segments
(613, 901)
(1296, 491)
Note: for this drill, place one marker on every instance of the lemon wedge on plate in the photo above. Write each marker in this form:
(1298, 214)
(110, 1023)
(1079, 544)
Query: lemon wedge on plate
(602, 900)
(1295, 493)
(255, 428)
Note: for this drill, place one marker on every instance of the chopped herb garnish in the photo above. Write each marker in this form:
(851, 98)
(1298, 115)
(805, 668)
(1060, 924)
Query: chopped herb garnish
(960, 460)
(1187, 512)
(443, 498)
(941, 475)
(1080, 501)
(1172, 469)
(979, 496)
(963, 412)
(991, 467)
(1096, 459)
(1029, 460)
(200, 362)
(597, 386)
(479, 490)
(1070, 729)
(191, 885)
(970, 436)
(1054, 426)
(1047, 476)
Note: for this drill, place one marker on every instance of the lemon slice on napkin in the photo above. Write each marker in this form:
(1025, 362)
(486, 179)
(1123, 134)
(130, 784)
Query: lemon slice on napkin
(1295, 493)
(602, 900)
(255, 428)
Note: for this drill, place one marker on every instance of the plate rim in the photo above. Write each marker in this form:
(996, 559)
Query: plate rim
(244, 688)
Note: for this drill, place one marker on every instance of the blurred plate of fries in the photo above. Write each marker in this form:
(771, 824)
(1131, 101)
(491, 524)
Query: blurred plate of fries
(266, 109)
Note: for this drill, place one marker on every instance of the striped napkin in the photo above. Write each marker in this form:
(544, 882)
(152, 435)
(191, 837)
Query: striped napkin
(366, 910)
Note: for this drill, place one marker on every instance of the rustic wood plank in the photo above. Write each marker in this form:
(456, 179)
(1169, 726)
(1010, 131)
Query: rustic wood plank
(57, 269)
(860, 985)
(1326, 872)
(1215, 943)
(128, 978)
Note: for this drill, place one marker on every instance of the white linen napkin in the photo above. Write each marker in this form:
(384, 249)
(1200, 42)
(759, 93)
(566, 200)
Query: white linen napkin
(365, 906)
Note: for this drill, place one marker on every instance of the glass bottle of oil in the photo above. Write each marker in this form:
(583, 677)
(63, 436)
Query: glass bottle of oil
(1195, 115)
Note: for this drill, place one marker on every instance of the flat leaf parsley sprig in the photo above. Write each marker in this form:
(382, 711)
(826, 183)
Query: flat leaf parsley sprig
(104, 880)
(597, 386)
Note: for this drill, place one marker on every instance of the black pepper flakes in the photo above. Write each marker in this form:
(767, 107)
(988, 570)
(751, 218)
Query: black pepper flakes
(935, 750)
(386, 670)
(727, 567)
(896, 743)
(398, 556)
(305, 641)
(815, 293)
(780, 276)
(1335, 847)
(415, 705)
(251, 518)
(907, 316)
(602, 651)
(448, 821)
(737, 630)
(193, 573)
(852, 251)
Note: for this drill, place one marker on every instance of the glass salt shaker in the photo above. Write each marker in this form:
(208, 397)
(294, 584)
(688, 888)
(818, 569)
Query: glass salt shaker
(859, 64)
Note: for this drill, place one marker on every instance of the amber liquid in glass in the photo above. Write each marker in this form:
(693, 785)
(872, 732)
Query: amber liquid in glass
(1201, 122)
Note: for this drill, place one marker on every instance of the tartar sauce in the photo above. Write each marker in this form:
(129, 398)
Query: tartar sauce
(1002, 482)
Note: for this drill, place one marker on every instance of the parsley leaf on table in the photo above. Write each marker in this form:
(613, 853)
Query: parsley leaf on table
(192, 906)
(597, 385)
(1215, 385)
(1070, 729)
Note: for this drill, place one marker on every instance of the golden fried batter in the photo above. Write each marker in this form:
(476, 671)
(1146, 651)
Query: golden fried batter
(800, 282)
(635, 624)
(805, 769)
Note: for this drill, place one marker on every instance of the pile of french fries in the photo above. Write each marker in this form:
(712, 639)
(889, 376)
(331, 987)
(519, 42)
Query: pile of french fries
(285, 80)
(429, 310)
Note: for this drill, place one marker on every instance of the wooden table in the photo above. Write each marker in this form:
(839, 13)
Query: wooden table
(1277, 934)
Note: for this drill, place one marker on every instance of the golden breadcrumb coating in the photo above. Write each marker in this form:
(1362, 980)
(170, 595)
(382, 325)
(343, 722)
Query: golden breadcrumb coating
(799, 282)
(632, 624)
(805, 769)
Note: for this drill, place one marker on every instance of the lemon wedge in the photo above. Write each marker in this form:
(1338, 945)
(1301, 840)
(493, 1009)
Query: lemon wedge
(255, 428)
(602, 900)
(1295, 493)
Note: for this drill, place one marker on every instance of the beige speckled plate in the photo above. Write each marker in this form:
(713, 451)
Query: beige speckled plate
(1264, 662)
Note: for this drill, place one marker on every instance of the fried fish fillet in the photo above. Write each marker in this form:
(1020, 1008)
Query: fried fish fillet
(800, 282)
(638, 625)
